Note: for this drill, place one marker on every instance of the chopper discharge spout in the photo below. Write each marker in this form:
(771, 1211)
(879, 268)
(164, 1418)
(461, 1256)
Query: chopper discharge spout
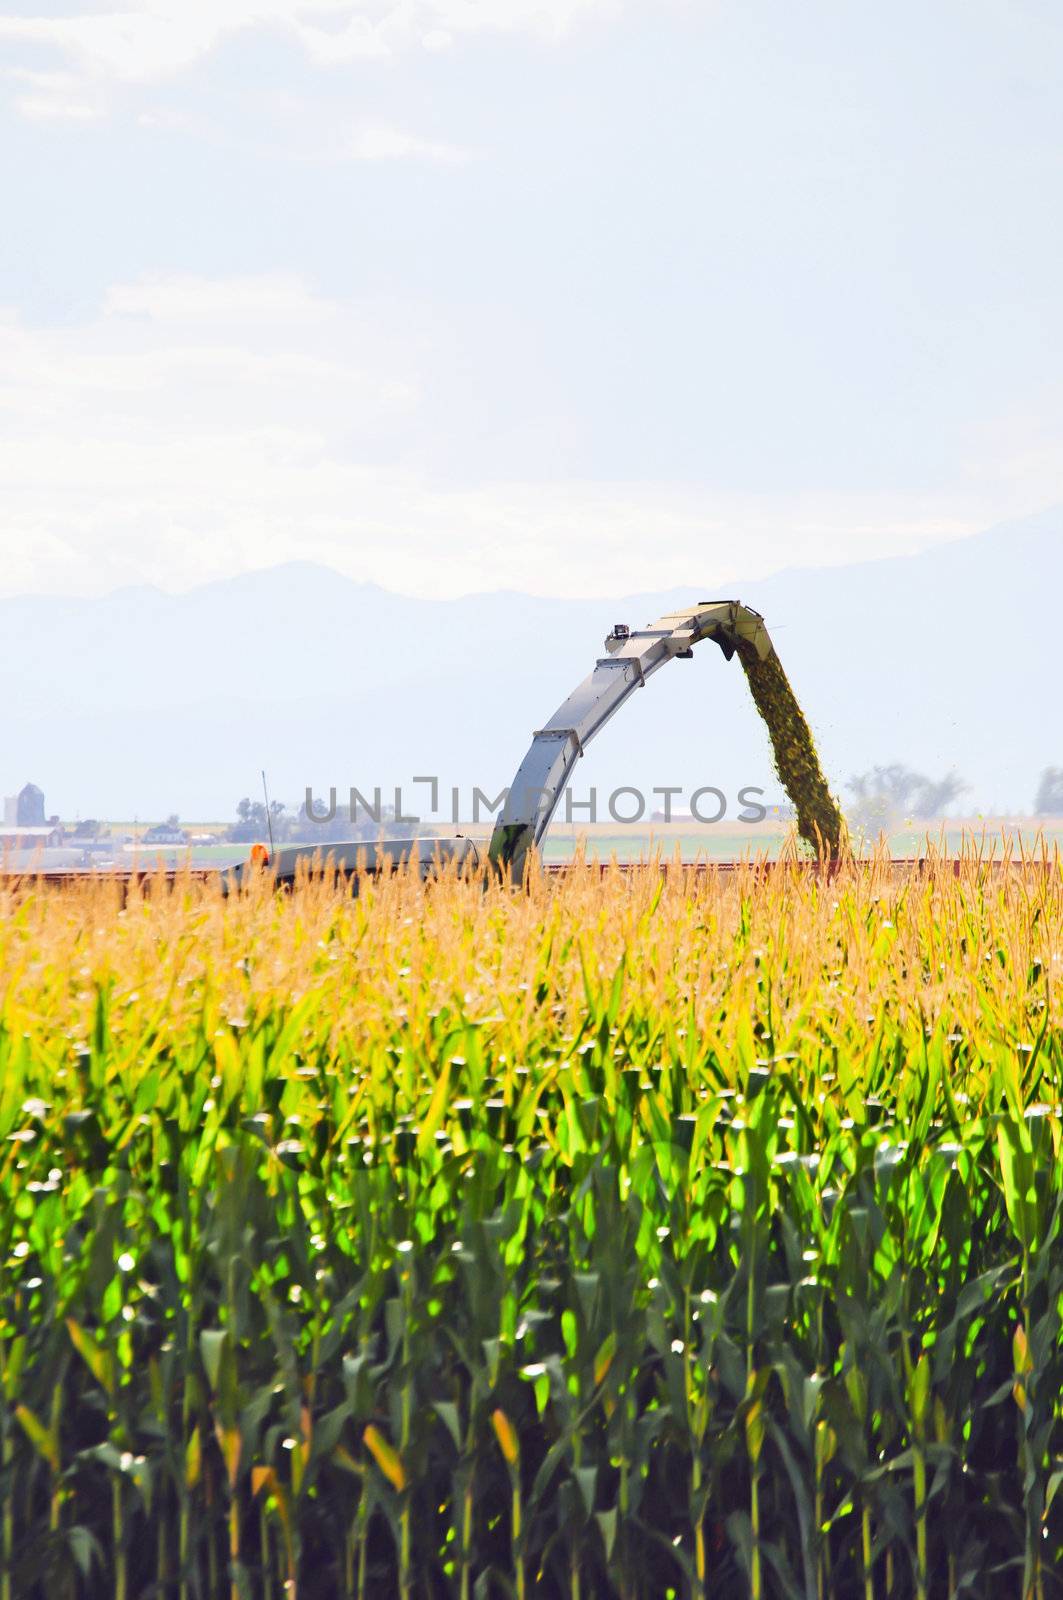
(634, 654)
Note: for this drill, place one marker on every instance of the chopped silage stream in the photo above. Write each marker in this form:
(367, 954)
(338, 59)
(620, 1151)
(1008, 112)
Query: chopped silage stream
(819, 819)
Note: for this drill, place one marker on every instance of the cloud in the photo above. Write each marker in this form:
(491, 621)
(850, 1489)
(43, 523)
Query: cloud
(187, 298)
(141, 43)
(53, 108)
(150, 40)
(435, 25)
(393, 144)
(53, 96)
(197, 427)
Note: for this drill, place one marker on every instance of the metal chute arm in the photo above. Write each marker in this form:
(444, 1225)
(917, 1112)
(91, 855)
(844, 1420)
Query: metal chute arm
(633, 657)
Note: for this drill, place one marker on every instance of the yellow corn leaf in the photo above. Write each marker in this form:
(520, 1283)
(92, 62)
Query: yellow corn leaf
(229, 1443)
(755, 1426)
(506, 1435)
(193, 1460)
(604, 1359)
(43, 1439)
(99, 1362)
(386, 1457)
(1020, 1345)
(343, 1458)
(265, 1479)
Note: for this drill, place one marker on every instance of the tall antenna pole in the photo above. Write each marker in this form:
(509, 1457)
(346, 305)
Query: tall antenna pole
(269, 818)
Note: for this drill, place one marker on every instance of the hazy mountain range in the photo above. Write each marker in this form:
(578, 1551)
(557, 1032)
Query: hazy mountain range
(142, 703)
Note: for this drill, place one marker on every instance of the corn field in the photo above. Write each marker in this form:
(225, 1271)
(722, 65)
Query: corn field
(631, 1236)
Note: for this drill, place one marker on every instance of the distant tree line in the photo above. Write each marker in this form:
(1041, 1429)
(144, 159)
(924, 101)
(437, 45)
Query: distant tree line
(885, 796)
(1049, 802)
(293, 826)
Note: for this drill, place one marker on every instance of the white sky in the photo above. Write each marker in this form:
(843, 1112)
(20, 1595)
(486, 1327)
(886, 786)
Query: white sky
(571, 296)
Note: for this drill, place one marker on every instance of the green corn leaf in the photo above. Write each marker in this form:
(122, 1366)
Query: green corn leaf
(212, 1347)
(1016, 1170)
(432, 1120)
(606, 1521)
(919, 1392)
(587, 1479)
(447, 1412)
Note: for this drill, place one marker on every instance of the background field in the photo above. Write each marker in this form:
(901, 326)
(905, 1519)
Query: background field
(604, 840)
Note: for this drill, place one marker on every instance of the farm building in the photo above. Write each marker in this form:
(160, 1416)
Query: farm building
(46, 837)
(165, 833)
(25, 809)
